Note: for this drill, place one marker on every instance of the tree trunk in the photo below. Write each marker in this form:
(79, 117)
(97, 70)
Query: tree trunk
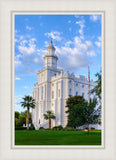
(49, 123)
(27, 118)
(88, 129)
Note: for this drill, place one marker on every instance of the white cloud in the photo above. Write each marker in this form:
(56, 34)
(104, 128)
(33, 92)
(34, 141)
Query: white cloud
(98, 43)
(75, 54)
(69, 21)
(17, 62)
(55, 35)
(94, 18)
(91, 53)
(17, 78)
(29, 57)
(29, 28)
(72, 55)
(27, 47)
(82, 25)
(25, 87)
(68, 43)
(76, 16)
(46, 43)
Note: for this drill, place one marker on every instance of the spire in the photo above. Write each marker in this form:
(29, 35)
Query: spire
(51, 48)
(51, 58)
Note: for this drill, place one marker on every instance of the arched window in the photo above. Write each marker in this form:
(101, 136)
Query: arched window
(59, 93)
(52, 94)
(83, 86)
(76, 93)
(70, 91)
(83, 95)
(45, 91)
(76, 84)
(41, 92)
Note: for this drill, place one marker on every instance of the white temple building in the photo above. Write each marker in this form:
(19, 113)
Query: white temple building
(53, 88)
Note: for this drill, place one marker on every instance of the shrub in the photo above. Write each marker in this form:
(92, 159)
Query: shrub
(59, 127)
(32, 127)
(92, 128)
(54, 128)
(86, 128)
(41, 128)
(48, 129)
(67, 128)
(20, 128)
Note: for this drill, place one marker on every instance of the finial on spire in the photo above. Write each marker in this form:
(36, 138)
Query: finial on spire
(51, 40)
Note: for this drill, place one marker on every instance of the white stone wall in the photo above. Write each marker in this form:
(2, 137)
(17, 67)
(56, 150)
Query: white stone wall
(51, 92)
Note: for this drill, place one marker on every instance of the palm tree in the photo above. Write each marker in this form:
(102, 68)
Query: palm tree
(28, 102)
(49, 116)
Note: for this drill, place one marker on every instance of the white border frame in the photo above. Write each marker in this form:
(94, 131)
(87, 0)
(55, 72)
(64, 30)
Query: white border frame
(13, 13)
(107, 153)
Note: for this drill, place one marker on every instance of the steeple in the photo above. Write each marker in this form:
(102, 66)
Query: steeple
(51, 49)
(51, 58)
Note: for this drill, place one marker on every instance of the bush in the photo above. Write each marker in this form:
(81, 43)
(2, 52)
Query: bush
(92, 128)
(54, 128)
(20, 128)
(41, 128)
(59, 127)
(67, 128)
(86, 128)
(32, 127)
(48, 129)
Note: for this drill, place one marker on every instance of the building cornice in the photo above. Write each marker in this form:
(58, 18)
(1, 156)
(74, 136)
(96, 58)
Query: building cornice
(52, 56)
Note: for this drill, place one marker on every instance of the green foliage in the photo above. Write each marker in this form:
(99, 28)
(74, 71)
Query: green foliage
(20, 128)
(17, 114)
(75, 109)
(92, 128)
(41, 128)
(90, 113)
(49, 115)
(81, 112)
(28, 102)
(48, 129)
(54, 128)
(32, 127)
(68, 128)
(97, 88)
(21, 119)
(57, 127)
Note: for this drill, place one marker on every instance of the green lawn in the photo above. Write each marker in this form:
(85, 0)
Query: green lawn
(36, 137)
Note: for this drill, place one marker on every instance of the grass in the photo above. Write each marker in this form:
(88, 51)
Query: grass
(36, 137)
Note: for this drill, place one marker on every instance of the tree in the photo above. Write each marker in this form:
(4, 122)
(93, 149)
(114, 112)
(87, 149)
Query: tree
(97, 88)
(20, 120)
(28, 102)
(49, 116)
(91, 114)
(75, 106)
(81, 112)
(17, 114)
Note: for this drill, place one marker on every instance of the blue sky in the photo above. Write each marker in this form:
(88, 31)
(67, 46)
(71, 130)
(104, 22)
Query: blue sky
(77, 39)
